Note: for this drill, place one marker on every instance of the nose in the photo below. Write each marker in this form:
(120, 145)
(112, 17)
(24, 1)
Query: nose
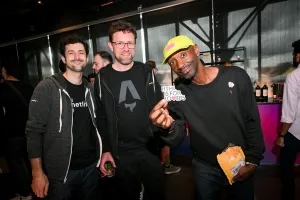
(180, 64)
(126, 47)
(94, 67)
(76, 56)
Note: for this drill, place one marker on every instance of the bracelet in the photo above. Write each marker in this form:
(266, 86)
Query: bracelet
(279, 134)
(249, 163)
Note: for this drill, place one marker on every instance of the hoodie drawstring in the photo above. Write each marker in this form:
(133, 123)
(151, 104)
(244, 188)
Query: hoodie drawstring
(153, 81)
(100, 95)
(60, 111)
(92, 103)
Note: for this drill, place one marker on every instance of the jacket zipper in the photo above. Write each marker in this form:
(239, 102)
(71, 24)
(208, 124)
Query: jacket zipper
(98, 135)
(147, 83)
(104, 83)
(65, 179)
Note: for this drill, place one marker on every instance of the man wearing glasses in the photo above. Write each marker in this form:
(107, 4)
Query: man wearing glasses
(125, 92)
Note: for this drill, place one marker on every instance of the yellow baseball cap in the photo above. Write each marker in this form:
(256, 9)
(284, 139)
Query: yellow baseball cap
(175, 44)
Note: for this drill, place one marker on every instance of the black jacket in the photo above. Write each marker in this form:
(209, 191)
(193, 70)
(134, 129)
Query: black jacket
(106, 107)
(50, 123)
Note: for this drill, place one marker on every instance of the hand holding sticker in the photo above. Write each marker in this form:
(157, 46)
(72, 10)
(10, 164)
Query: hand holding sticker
(172, 94)
(160, 115)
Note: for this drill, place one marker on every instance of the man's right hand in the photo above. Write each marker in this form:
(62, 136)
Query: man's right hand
(40, 184)
(280, 141)
(106, 157)
(160, 115)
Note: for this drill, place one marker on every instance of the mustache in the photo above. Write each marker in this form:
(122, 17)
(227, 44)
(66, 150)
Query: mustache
(77, 60)
(184, 66)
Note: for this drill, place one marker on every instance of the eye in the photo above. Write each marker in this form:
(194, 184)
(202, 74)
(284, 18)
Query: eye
(172, 62)
(183, 55)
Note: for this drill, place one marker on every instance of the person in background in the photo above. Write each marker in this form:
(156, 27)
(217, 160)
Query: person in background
(101, 59)
(289, 137)
(165, 151)
(220, 109)
(63, 142)
(14, 100)
(126, 91)
(91, 78)
(227, 64)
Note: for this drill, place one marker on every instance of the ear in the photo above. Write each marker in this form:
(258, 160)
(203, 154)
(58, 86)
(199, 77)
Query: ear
(105, 63)
(196, 49)
(298, 57)
(110, 45)
(63, 59)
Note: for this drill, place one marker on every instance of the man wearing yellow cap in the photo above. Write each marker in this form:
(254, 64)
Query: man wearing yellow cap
(220, 108)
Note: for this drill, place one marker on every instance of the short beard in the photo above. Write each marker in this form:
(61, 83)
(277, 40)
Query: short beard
(120, 60)
(191, 75)
(74, 69)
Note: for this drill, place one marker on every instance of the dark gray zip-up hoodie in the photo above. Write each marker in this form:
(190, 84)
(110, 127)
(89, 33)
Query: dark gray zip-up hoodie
(49, 127)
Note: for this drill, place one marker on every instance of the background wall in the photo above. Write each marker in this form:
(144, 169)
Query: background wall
(265, 32)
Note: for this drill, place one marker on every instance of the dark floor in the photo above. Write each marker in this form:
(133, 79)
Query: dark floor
(180, 186)
(267, 183)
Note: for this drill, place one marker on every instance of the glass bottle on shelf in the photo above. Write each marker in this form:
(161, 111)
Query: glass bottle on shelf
(274, 92)
(257, 92)
(265, 92)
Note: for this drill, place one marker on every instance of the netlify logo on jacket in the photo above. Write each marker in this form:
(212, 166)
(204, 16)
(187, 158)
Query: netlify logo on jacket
(172, 94)
(81, 104)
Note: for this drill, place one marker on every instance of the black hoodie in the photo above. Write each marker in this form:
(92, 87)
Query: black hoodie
(106, 110)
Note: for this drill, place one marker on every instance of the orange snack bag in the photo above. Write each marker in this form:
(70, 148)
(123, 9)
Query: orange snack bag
(231, 160)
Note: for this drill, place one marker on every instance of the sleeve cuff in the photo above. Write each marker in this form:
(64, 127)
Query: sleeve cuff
(252, 161)
(170, 131)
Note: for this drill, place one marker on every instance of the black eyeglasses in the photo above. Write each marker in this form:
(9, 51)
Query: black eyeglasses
(121, 45)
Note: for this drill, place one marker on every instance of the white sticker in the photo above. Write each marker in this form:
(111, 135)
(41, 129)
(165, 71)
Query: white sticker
(235, 170)
(172, 94)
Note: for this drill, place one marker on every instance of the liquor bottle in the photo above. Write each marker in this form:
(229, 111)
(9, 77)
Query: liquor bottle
(265, 92)
(274, 91)
(257, 92)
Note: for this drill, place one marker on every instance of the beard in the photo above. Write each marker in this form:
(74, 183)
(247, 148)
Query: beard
(76, 68)
(124, 61)
(191, 74)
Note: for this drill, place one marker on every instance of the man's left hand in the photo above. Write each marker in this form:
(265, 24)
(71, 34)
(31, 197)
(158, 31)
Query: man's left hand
(244, 173)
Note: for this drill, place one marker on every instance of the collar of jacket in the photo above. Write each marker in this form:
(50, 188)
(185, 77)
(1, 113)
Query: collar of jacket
(108, 68)
(61, 81)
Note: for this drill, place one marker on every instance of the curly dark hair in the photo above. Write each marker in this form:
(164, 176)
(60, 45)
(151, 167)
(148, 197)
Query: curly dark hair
(121, 26)
(296, 46)
(72, 39)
